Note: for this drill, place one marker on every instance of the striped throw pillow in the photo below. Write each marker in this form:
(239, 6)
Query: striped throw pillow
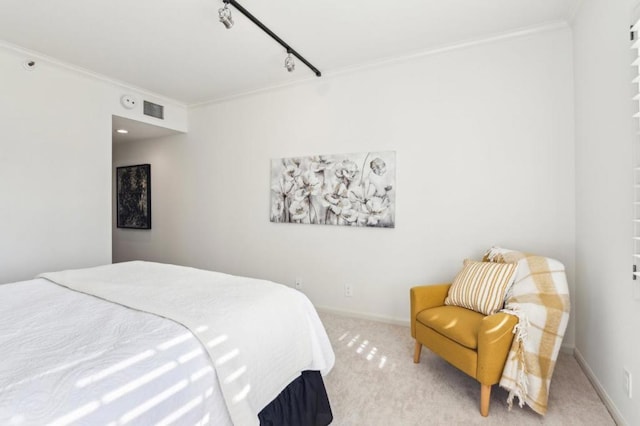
(481, 286)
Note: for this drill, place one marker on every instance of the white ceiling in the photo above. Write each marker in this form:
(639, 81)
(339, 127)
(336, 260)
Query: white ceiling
(137, 130)
(178, 49)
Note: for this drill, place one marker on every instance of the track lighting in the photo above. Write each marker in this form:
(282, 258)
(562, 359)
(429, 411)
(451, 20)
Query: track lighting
(289, 63)
(225, 16)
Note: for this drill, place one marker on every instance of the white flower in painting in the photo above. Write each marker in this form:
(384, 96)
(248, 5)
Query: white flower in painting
(363, 192)
(299, 194)
(376, 209)
(347, 170)
(321, 163)
(291, 172)
(378, 166)
(299, 209)
(341, 190)
(284, 187)
(277, 207)
(330, 199)
(349, 215)
(342, 205)
(308, 183)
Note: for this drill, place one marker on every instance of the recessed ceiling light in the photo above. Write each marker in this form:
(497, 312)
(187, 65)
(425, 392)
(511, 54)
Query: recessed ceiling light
(123, 131)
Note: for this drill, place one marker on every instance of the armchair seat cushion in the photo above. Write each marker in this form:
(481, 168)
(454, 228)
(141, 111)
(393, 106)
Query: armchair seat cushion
(458, 324)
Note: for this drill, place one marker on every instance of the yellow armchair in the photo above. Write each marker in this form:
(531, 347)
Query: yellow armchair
(475, 343)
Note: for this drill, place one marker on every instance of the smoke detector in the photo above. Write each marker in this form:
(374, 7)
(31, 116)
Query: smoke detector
(128, 101)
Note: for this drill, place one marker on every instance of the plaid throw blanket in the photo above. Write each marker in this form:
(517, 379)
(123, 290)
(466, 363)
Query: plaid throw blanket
(539, 297)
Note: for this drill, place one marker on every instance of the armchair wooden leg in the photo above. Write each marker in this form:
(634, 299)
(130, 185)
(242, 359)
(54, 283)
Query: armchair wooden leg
(485, 397)
(416, 352)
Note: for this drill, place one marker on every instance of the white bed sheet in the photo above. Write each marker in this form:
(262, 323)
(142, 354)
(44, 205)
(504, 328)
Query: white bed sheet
(70, 358)
(259, 335)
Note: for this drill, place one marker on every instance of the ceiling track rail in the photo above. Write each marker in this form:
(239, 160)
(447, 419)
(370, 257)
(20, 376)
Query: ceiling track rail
(273, 35)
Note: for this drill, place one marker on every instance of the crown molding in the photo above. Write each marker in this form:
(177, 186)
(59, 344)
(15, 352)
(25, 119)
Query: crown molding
(522, 32)
(31, 54)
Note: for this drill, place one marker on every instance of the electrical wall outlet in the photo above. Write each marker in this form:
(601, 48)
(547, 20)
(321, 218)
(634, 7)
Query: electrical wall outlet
(348, 290)
(298, 284)
(627, 382)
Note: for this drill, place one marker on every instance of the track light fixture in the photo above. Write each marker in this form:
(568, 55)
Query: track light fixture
(224, 14)
(289, 63)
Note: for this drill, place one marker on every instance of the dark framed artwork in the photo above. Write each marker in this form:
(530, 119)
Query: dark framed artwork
(133, 186)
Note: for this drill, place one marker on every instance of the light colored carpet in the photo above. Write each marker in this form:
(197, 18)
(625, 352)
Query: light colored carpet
(375, 382)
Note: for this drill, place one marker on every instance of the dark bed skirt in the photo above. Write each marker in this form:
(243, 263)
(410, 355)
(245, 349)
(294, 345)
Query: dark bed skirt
(303, 403)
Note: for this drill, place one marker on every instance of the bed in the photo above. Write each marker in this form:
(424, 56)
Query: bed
(145, 343)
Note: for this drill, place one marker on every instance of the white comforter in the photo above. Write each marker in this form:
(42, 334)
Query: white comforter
(68, 358)
(258, 336)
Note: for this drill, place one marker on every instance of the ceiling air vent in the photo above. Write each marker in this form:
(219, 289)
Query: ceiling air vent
(153, 110)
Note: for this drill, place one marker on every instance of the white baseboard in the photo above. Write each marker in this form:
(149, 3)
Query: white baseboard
(608, 402)
(360, 315)
(567, 349)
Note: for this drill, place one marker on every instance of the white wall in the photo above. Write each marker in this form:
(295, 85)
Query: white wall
(607, 316)
(484, 142)
(55, 166)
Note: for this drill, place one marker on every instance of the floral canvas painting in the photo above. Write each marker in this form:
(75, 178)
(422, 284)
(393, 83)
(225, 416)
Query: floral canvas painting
(349, 189)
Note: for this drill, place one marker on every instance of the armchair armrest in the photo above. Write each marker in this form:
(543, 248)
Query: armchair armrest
(425, 297)
(494, 342)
